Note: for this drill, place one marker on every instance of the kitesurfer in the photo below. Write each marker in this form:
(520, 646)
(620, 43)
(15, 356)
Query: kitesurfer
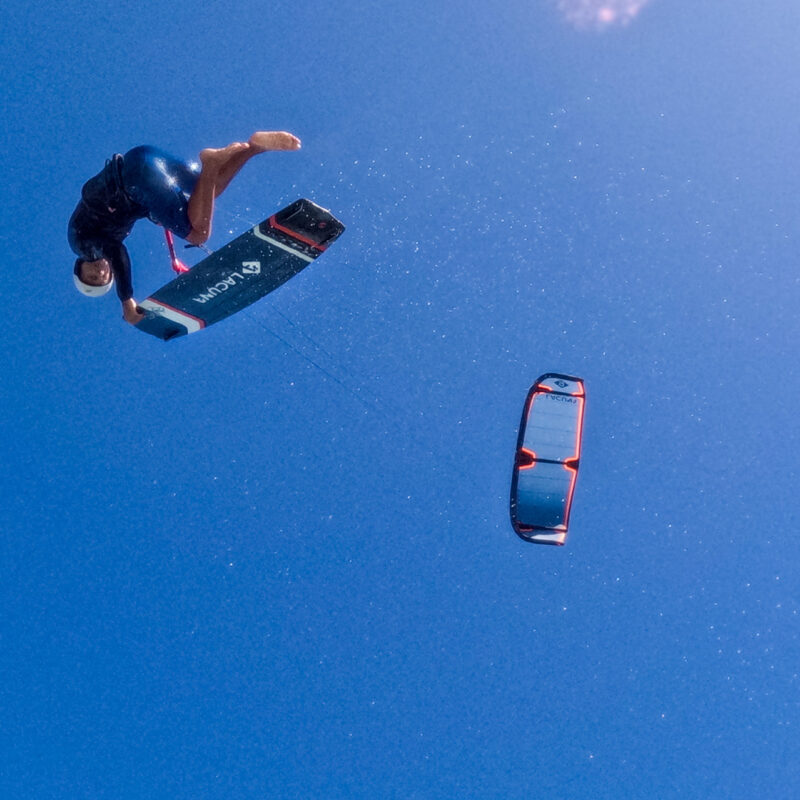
(147, 182)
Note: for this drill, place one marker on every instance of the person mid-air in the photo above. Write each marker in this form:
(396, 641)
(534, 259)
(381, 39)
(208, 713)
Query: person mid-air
(147, 182)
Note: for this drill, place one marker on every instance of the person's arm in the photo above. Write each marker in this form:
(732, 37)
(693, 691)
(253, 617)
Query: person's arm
(121, 267)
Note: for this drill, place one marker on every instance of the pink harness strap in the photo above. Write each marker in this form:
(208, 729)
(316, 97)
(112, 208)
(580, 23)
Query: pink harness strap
(177, 264)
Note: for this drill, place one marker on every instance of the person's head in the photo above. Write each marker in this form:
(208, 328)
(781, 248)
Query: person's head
(93, 278)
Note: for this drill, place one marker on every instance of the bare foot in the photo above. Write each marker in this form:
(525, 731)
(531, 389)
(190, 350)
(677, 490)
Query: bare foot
(214, 158)
(262, 141)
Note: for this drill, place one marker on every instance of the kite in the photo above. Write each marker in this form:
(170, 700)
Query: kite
(547, 458)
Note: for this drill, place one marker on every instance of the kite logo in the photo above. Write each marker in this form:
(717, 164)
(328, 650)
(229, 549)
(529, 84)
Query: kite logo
(251, 267)
(561, 384)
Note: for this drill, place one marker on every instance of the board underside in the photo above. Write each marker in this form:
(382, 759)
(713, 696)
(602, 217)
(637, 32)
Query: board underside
(242, 272)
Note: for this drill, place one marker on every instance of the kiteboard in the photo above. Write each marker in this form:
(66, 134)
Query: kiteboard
(242, 272)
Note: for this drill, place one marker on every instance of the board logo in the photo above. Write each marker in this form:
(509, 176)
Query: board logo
(249, 269)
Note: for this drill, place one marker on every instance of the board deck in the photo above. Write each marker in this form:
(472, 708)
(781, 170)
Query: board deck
(242, 272)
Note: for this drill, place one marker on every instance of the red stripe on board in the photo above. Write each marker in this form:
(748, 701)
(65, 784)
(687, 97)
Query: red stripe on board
(178, 311)
(294, 234)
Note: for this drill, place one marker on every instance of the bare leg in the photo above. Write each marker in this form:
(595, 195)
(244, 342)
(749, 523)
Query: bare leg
(201, 209)
(201, 203)
(260, 142)
(219, 168)
(231, 167)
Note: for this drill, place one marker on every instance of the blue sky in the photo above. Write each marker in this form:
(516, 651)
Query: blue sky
(274, 559)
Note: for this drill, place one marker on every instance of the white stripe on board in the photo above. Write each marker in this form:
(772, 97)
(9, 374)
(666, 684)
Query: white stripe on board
(282, 246)
(192, 324)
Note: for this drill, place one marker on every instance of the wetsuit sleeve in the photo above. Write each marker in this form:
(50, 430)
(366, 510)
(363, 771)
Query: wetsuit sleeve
(117, 254)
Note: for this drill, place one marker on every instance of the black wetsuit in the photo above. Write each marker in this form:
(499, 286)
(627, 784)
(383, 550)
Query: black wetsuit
(145, 182)
(103, 218)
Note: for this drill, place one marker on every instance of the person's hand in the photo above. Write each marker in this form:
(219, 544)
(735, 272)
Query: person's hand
(130, 312)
